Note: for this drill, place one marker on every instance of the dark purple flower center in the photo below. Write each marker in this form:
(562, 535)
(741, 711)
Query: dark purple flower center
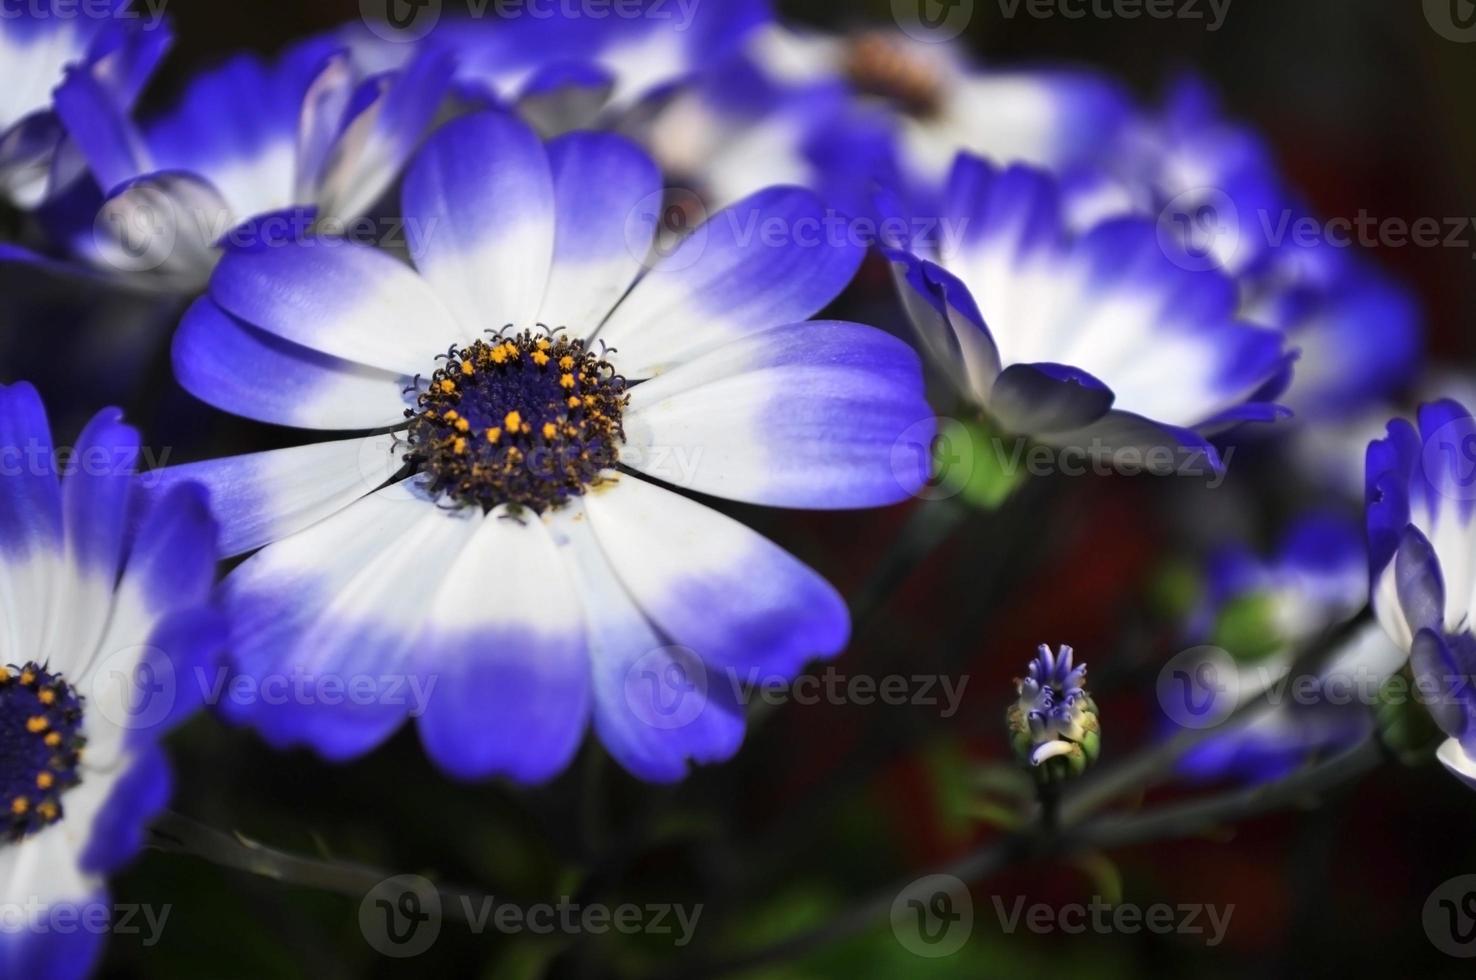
(528, 420)
(40, 747)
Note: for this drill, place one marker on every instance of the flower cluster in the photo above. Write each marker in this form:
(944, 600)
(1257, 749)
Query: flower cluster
(537, 304)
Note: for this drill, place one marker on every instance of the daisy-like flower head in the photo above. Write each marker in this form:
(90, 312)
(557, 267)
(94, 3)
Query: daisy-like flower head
(531, 378)
(1053, 716)
(1100, 341)
(309, 138)
(104, 619)
(115, 47)
(1422, 554)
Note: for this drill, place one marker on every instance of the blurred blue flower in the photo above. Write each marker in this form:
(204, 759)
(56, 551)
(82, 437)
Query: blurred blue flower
(107, 618)
(546, 589)
(1104, 342)
(252, 150)
(117, 48)
(1422, 544)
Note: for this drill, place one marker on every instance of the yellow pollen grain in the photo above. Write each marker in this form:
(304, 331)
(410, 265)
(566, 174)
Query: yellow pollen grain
(48, 810)
(37, 724)
(566, 362)
(20, 805)
(46, 696)
(447, 385)
(493, 435)
(466, 368)
(462, 425)
(45, 780)
(543, 344)
(550, 430)
(27, 677)
(540, 358)
(53, 740)
(498, 355)
(451, 415)
(459, 446)
(574, 401)
(567, 380)
(513, 422)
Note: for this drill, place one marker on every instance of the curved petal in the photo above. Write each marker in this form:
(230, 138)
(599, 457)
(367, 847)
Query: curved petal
(483, 195)
(30, 524)
(737, 600)
(506, 641)
(95, 499)
(600, 183)
(1042, 398)
(249, 372)
(655, 707)
(349, 301)
(263, 497)
(805, 415)
(324, 623)
(773, 258)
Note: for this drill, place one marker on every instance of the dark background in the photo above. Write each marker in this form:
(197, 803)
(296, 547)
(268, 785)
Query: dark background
(1368, 108)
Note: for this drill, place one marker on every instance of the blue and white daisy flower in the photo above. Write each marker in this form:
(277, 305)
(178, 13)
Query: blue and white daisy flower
(310, 138)
(1101, 341)
(1422, 555)
(114, 46)
(105, 622)
(489, 544)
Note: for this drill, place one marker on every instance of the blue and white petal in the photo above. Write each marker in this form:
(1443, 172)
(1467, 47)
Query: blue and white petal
(482, 190)
(602, 183)
(771, 259)
(505, 641)
(325, 622)
(738, 601)
(657, 708)
(345, 300)
(258, 375)
(263, 497)
(802, 415)
(30, 524)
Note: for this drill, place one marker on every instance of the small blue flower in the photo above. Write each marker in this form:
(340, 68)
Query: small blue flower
(107, 614)
(531, 348)
(1101, 341)
(115, 47)
(1053, 717)
(1422, 542)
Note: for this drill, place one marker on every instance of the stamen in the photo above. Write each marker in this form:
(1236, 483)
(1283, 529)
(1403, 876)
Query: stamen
(40, 748)
(526, 420)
